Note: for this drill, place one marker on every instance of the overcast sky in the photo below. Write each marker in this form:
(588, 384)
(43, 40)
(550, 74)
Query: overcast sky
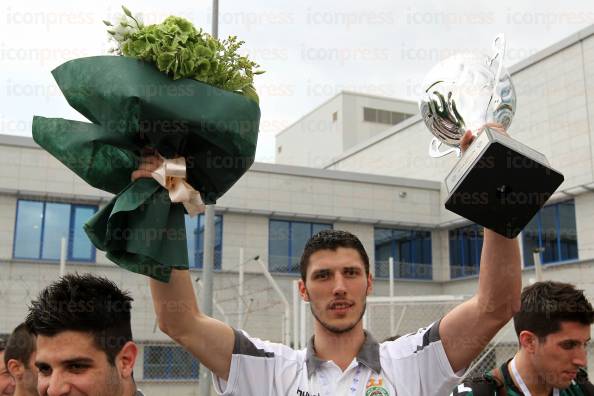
(310, 50)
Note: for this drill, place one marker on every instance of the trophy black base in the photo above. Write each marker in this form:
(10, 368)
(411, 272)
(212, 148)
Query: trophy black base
(500, 183)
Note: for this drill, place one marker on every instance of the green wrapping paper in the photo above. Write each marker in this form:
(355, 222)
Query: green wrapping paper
(132, 106)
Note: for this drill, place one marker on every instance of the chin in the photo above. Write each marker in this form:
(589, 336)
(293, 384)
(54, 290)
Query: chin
(563, 384)
(339, 327)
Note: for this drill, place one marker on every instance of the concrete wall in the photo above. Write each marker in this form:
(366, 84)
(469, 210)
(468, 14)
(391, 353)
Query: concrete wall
(358, 130)
(324, 195)
(314, 139)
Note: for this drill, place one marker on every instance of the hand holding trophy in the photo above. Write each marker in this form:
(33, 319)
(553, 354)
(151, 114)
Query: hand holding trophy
(498, 182)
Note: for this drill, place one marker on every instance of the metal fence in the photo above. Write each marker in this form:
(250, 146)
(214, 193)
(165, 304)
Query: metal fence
(404, 270)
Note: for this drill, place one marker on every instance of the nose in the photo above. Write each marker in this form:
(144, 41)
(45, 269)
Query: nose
(57, 385)
(339, 285)
(581, 357)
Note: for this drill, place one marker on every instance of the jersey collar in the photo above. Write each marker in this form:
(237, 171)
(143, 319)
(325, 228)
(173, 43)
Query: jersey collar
(368, 355)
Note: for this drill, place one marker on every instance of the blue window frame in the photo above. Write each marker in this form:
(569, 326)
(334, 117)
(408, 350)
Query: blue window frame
(410, 249)
(195, 240)
(466, 244)
(40, 226)
(169, 363)
(286, 240)
(553, 229)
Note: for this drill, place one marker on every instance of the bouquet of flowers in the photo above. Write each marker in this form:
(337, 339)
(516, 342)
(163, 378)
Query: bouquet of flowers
(175, 90)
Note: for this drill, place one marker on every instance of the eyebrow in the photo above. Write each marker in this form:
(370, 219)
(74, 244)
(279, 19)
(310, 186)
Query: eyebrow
(574, 340)
(327, 270)
(75, 360)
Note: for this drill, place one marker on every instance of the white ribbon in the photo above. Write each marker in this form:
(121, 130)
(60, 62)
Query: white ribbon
(171, 174)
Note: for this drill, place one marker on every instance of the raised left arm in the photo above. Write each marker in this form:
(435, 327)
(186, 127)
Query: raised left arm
(468, 328)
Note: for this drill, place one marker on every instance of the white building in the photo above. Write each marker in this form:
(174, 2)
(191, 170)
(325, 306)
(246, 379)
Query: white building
(342, 122)
(376, 181)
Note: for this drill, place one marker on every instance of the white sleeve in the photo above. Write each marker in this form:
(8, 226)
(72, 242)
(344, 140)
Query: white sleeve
(417, 363)
(254, 367)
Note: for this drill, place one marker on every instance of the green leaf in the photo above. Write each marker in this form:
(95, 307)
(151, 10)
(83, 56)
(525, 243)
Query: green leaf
(107, 23)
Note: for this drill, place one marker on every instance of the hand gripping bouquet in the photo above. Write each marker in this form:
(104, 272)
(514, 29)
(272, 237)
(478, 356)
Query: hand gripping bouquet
(175, 90)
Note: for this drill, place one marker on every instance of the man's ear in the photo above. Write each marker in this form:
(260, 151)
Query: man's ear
(126, 359)
(15, 368)
(303, 290)
(369, 283)
(528, 341)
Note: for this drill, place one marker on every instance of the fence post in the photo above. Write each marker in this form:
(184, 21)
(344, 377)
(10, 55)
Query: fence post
(391, 272)
(63, 253)
(287, 315)
(296, 299)
(240, 291)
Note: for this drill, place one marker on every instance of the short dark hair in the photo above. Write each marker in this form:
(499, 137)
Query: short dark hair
(331, 240)
(2, 345)
(85, 303)
(20, 345)
(546, 304)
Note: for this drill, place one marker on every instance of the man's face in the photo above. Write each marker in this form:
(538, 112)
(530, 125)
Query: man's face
(336, 288)
(70, 364)
(559, 356)
(6, 381)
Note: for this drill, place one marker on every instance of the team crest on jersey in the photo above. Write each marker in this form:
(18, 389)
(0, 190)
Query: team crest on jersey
(376, 388)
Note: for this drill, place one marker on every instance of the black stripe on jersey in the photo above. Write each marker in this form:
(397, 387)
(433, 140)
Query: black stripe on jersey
(243, 346)
(431, 335)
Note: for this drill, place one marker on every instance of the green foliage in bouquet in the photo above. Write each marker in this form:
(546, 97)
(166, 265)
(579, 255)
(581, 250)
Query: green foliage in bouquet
(180, 50)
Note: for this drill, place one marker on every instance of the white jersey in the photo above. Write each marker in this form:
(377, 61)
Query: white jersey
(413, 365)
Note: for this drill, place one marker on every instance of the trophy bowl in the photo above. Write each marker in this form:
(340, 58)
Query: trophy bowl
(465, 92)
(498, 182)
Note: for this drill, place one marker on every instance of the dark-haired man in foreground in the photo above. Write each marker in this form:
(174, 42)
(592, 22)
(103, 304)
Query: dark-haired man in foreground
(19, 359)
(84, 338)
(553, 329)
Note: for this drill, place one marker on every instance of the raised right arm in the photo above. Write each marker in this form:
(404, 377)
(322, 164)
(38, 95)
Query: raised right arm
(178, 315)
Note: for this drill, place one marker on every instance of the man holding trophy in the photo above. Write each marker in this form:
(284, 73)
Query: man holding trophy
(341, 357)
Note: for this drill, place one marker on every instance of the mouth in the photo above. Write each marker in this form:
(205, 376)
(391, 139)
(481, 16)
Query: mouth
(340, 307)
(570, 374)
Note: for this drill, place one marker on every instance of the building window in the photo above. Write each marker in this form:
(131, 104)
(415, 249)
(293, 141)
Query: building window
(286, 240)
(383, 116)
(195, 240)
(279, 149)
(169, 363)
(553, 232)
(410, 249)
(335, 116)
(40, 227)
(466, 244)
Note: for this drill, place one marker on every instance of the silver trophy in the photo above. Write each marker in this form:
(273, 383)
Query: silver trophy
(499, 182)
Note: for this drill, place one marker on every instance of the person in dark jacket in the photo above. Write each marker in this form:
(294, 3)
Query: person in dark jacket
(553, 329)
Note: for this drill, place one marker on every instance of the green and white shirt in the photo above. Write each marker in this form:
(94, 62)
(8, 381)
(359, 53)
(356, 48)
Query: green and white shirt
(412, 365)
(489, 385)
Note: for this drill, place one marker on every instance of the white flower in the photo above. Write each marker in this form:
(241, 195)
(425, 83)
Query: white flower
(121, 31)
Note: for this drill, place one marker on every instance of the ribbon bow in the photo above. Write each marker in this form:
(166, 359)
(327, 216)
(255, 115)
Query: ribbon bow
(171, 174)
